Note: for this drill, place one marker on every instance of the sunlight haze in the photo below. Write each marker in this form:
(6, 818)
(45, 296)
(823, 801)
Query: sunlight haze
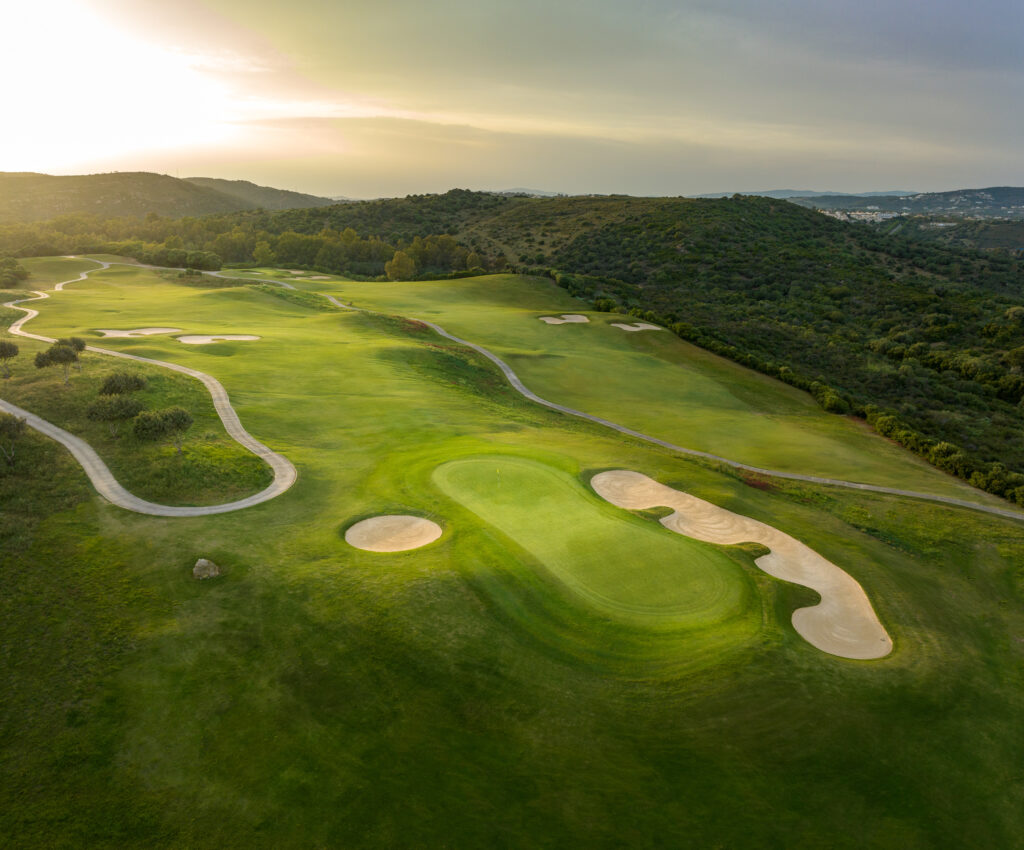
(368, 99)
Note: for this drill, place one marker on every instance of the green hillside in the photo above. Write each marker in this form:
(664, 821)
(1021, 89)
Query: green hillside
(264, 197)
(27, 196)
(924, 340)
(997, 235)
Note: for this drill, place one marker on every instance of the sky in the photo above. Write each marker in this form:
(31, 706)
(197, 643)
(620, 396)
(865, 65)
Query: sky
(373, 98)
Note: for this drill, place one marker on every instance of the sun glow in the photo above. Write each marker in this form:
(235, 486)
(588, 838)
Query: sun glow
(81, 91)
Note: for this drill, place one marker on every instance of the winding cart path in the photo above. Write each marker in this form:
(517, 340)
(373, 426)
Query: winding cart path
(284, 472)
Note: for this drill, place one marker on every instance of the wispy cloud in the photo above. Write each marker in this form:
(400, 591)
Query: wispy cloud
(714, 94)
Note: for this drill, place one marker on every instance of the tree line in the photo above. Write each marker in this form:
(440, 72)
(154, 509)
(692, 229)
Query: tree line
(213, 242)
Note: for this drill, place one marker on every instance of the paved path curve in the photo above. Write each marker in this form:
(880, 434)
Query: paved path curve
(101, 476)
(517, 384)
(513, 379)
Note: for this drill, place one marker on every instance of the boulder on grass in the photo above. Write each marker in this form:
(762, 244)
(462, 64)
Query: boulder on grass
(205, 569)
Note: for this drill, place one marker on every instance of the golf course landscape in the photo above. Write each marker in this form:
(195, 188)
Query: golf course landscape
(438, 621)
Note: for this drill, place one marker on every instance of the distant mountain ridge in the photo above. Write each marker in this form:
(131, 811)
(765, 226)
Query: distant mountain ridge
(28, 196)
(786, 194)
(994, 201)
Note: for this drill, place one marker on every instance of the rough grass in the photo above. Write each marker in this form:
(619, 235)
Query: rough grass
(212, 468)
(316, 695)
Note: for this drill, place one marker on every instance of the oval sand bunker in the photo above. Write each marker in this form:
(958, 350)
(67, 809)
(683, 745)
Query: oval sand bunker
(197, 339)
(109, 333)
(392, 533)
(843, 623)
(567, 319)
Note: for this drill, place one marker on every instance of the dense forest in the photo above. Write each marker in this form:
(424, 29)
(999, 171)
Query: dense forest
(974, 234)
(925, 341)
(923, 338)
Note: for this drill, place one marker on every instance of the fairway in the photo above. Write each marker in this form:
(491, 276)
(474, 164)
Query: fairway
(623, 567)
(654, 382)
(550, 666)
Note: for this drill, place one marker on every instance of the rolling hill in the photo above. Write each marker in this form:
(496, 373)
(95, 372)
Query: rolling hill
(923, 340)
(263, 197)
(28, 196)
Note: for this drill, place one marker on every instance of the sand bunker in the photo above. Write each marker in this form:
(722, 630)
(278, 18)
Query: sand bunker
(843, 623)
(567, 319)
(197, 339)
(637, 326)
(320, 277)
(110, 334)
(392, 533)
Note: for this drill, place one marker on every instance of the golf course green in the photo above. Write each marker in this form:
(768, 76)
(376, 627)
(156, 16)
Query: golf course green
(627, 569)
(551, 671)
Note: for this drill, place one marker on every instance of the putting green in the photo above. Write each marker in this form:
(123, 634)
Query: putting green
(623, 567)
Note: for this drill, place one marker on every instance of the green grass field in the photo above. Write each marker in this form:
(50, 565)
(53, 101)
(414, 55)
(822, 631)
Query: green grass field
(654, 382)
(477, 692)
(46, 271)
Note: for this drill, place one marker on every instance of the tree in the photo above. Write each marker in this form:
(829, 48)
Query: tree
(149, 425)
(263, 255)
(74, 342)
(119, 383)
(400, 267)
(57, 355)
(11, 272)
(114, 411)
(172, 422)
(8, 351)
(11, 428)
(178, 422)
(77, 344)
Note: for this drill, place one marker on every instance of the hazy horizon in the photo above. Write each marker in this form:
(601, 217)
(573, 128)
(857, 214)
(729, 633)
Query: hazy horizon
(658, 98)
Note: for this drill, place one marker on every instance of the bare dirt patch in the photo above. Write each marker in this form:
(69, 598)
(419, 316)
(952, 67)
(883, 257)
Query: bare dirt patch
(842, 624)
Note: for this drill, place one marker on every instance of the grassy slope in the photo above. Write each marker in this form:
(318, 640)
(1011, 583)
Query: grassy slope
(321, 696)
(44, 272)
(654, 382)
(28, 196)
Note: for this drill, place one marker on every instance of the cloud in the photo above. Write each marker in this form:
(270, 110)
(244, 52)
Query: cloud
(865, 94)
(371, 157)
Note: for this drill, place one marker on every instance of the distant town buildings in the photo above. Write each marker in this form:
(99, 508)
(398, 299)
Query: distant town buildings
(861, 215)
